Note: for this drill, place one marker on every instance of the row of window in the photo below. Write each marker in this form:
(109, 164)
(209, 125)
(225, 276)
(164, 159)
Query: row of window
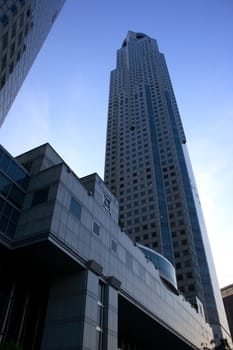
(145, 237)
(178, 253)
(135, 159)
(178, 223)
(126, 135)
(12, 44)
(182, 242)
(189, 288)
(137, 211)
(42, 195)
(142, 220)
(186, 263)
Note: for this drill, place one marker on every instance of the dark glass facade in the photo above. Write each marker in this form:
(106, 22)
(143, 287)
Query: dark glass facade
(23, 304)
(147, 168)
(166, 269)
(24, 25)
(13, 185)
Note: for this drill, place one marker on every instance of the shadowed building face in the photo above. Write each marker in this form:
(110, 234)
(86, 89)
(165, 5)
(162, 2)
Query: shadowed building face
(147, 167)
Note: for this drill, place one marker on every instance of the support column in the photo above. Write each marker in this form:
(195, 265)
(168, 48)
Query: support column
(72, 312)
(91, 313)
(111, 317)
(74, 318)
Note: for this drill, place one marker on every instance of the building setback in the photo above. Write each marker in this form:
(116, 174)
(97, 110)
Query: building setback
(147, 168)
(24, 25)
(70, 278)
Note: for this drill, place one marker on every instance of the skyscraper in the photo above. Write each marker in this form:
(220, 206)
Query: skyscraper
(147, 168)
(24, 25)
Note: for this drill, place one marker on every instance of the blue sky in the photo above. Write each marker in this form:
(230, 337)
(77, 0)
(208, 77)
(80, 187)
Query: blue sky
(64, 98)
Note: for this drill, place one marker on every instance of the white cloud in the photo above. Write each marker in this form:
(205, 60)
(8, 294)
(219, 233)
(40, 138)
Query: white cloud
(214, 173)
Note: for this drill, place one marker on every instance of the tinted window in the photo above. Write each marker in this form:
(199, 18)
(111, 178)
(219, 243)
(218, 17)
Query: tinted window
(96, 228)
(21, 178)
(4, 184)
(75, 208)
(16, 196)
(5, 162)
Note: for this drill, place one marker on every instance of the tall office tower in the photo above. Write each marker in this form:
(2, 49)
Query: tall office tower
(24, 25)
(148, 170)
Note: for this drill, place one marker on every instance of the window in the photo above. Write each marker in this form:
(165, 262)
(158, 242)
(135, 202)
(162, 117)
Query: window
(4, 40)
(14, 9)
(4, 60)
(5, 184)
(8, 218)
(40, 196)
(100, 316)
(107, 203)
(16, 196)
(75, 208)
(4, 20)
(114, 246)
(179, 277)
(185, 252)
(191, 288)
(14, 28)
(96, 228)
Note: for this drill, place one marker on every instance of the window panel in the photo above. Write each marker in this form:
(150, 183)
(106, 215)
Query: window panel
(75, 208)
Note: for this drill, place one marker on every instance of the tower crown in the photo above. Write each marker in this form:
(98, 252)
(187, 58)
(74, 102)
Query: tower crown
(134, 35)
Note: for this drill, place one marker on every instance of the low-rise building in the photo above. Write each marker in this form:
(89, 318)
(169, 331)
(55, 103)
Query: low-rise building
(227, 295)
(71, 278)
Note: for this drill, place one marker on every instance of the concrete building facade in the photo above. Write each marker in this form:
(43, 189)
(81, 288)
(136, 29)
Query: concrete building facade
(227, 295)
(148, 169)
(24, 25)
(71, 278)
